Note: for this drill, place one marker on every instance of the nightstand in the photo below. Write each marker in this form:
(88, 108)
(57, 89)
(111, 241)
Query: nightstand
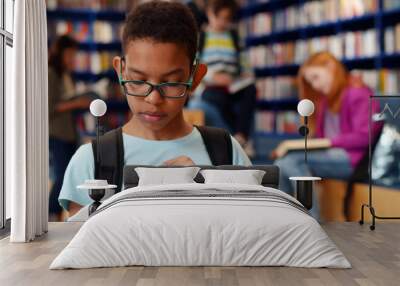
(304, 190)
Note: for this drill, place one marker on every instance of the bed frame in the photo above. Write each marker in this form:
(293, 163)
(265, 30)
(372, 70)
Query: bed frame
(270, 179)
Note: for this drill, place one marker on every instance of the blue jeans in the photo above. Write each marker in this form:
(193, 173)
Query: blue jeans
(211, 113)
(60, 154)
(332, 163)
(236, 110)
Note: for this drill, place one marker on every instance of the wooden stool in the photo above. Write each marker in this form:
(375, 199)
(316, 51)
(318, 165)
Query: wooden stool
(386, 201)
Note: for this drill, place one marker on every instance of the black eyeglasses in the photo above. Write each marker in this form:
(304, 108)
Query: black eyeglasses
(166, 89)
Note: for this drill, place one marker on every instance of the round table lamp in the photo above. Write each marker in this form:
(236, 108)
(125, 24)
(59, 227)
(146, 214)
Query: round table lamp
(304, 185)
(96, 187)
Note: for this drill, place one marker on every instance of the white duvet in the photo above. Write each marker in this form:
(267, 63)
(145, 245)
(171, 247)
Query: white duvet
(269, 228)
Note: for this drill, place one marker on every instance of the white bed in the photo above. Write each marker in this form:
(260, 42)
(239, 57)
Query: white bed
(221, 225)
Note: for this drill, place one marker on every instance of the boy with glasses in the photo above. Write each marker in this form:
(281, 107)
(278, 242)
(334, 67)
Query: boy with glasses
(158, 72)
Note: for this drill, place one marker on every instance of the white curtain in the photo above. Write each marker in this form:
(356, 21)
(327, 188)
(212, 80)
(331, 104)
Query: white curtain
(27, 123)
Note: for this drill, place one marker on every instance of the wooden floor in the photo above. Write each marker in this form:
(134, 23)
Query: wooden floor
(375, 257)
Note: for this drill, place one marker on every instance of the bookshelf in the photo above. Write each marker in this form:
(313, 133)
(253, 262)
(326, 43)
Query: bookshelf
(97, 26)
(281, 34)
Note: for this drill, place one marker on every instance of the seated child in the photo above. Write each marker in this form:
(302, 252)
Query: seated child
(219, 49)
(158, 75)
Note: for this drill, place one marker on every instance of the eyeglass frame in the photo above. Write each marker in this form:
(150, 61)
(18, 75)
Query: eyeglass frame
(159, 86)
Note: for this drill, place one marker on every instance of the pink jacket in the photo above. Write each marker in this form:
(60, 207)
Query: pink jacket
(353, 121)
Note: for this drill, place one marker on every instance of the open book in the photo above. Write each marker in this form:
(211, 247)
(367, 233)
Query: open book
(298, 144)
(240, 83)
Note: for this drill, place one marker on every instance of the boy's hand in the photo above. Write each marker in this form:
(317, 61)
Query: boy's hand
(179, 161)
(222, 79)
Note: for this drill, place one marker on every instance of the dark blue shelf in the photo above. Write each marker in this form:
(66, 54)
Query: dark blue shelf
(391, 60)
(277, 71)
(85, 15)
(360, 63)
(92, 77)
(91, 46)
(276, 37)
(324, 29)
(278, 104)
(269, 6)
(390, 17)
(363, 22)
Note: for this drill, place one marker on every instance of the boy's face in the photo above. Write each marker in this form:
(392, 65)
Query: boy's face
(156, 63)
(220, 21)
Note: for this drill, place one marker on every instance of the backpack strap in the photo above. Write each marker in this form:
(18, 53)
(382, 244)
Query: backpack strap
(218, 143)
(111, 163)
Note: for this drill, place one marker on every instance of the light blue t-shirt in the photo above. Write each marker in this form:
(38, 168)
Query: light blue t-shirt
(138, 151)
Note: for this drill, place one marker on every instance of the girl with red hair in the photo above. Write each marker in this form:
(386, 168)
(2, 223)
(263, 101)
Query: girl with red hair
(340, 121)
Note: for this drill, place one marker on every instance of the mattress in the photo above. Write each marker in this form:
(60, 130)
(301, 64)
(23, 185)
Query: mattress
(201, 225)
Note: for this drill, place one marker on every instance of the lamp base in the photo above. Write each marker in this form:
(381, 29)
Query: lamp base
(96, 195)
(304, 190)
(304, 193)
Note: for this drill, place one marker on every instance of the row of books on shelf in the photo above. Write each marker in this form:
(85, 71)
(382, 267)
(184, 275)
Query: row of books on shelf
(347, 45)
(308, 14)
(88, 4)
(391, 4)
(286, 122)
(392, 39)
(94, 62)
(269, 88)
(385, 81)
(82, 31)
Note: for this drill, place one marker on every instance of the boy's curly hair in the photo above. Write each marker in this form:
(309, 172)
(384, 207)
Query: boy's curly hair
(218, 5)
(163, 22)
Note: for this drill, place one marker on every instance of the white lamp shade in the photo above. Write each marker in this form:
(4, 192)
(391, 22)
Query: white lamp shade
(305, 107)
(98, 107)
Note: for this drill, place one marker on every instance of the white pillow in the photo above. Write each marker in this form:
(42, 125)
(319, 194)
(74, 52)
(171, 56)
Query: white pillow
(248, 177)
(166, 176)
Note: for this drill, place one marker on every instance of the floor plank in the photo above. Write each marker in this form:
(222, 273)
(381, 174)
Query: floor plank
(374, 255)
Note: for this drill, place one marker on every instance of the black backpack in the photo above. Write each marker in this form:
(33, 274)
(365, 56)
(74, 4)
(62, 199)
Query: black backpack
(216, 140)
